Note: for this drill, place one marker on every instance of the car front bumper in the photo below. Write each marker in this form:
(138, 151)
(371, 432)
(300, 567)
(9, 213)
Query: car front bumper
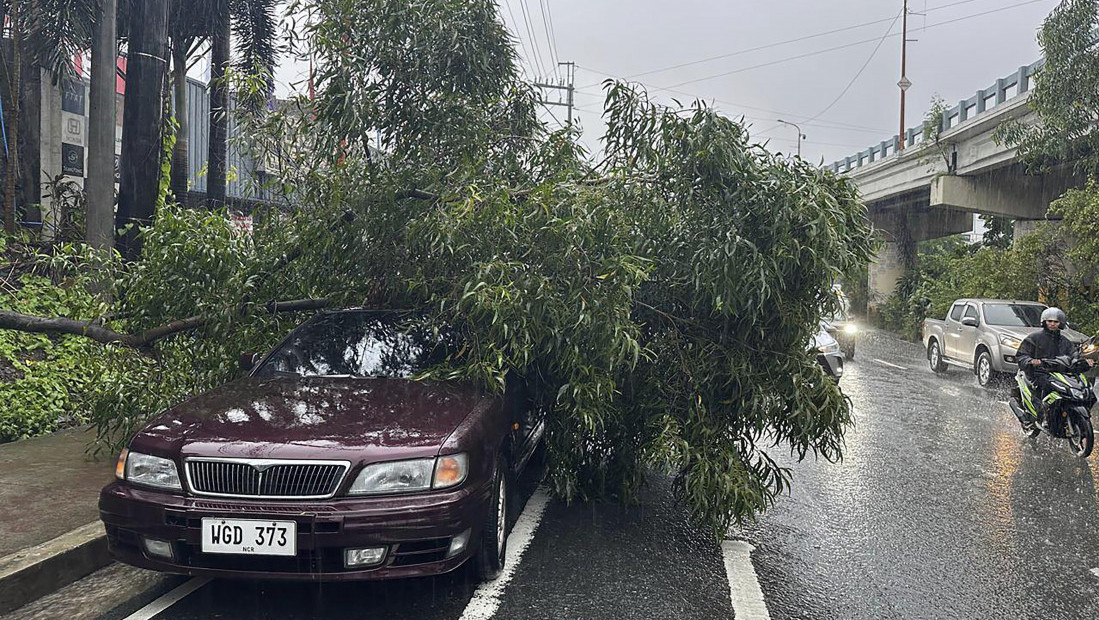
(415, 529)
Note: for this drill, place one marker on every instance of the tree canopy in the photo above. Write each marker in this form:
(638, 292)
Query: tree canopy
(1066, 92)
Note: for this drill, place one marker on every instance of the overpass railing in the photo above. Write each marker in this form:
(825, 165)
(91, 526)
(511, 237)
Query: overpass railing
(1017, 84)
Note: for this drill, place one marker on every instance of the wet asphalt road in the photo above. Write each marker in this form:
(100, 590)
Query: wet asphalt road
(940, 509)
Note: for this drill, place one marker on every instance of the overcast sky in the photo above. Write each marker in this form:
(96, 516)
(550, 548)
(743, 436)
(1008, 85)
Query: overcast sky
(986, 40)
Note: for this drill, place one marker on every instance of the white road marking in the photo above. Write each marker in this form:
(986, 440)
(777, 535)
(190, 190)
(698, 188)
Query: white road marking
(486, 600)
(883, 362)
(748, 603)
(169, 599)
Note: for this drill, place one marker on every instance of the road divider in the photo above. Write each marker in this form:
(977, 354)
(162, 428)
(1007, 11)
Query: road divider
(486, 600)
(889, 364)
(747, 596)
(171, 598)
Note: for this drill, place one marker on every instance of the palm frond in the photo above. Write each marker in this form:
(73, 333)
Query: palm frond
(59, 30)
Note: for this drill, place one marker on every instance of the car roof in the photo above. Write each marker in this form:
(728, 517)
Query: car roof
(983, 300)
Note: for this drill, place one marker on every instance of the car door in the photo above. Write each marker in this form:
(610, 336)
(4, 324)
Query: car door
(952, 330)
(527, 419)
(967, 335)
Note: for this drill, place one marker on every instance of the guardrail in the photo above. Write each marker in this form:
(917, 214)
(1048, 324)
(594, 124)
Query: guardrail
(965, 110)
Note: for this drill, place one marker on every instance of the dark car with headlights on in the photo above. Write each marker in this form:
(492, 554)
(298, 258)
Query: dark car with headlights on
(327, 462)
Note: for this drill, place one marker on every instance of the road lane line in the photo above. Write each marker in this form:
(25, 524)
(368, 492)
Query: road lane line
(486, 600)
(747, 596)
(169, 599)
(885, 363)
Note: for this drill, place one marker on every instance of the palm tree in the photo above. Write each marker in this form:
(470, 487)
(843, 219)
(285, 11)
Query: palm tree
(143, 122)
(194, 23)
(45, 34)
(189, 25)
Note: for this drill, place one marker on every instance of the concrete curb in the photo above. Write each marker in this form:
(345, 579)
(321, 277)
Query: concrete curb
(34, 572)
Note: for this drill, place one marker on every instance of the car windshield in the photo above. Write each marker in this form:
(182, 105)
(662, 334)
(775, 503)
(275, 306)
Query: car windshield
(1014, 315)
(358, 344)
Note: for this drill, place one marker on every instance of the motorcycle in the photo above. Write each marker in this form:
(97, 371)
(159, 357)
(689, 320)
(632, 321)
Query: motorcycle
(1065, 412)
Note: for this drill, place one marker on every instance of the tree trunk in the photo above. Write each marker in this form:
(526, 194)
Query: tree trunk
(181, 156)
(219, 109)
(101, 131)
(142, 121)
(12, 117)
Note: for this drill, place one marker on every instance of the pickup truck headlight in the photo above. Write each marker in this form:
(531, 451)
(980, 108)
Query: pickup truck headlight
(411, 476)
(149, 470)
(1010, 342)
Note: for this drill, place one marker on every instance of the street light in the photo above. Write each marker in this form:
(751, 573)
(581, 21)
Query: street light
(801, 136)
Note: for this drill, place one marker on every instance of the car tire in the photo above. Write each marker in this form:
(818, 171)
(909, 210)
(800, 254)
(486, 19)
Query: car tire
(494, 532)
(935, 357)
(986, 376)
(849, 352)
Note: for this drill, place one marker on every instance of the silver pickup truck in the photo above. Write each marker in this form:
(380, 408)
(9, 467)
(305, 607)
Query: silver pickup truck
(983, 336)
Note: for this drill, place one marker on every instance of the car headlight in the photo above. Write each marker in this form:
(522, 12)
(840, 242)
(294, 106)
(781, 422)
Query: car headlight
(832, 347)
(850, 328)
(411, 476)
(1009, 342)
(149, 470)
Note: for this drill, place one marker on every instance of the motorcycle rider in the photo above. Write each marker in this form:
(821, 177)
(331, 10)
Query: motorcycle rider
(1048, 343)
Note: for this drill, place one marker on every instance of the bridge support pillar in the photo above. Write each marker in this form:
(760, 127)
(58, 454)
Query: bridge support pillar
(893, 260)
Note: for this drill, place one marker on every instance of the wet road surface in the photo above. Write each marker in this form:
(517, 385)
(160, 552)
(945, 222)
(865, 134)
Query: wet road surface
(940, 509)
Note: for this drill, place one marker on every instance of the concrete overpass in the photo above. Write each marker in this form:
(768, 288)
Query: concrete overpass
(934, 187)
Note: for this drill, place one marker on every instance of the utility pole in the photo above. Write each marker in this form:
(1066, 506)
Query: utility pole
(904, 83)
(801, 136)
(567, 85)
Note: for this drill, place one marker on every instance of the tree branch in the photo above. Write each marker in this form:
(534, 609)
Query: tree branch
(35, 324)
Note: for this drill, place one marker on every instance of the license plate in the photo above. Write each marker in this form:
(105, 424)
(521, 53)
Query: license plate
(249, 536)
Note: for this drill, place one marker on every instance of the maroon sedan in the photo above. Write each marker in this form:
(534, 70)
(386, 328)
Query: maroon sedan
(327, 462)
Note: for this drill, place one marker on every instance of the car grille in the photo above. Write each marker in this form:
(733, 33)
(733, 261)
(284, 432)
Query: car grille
(265, 478)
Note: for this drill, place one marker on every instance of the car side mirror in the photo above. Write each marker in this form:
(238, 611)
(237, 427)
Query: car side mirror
(248, 361)
(969, 321)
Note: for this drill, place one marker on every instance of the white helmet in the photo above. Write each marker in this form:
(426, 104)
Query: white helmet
(1054, 314)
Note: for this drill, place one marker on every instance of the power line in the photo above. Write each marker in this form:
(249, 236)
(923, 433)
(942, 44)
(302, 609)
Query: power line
(860, 71)
(526, 53)
(787, 42)
(533, 39)
(735, 104)
(551, 36)
(840, 47)
(820, 123)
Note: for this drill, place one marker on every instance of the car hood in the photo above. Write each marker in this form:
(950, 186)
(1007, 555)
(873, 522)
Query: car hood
(356, 419)
(1022, 332)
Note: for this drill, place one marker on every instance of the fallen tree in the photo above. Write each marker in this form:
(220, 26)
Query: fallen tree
(660, 302)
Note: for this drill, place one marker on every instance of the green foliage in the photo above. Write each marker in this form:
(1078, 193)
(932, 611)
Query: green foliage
(1066, 93)
(1000, 231)
(1055, 264)
(42, 377)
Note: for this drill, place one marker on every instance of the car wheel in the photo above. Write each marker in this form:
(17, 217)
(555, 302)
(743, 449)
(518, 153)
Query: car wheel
(849, 352)
(935, 357)
(983, 368)
(494, 533)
